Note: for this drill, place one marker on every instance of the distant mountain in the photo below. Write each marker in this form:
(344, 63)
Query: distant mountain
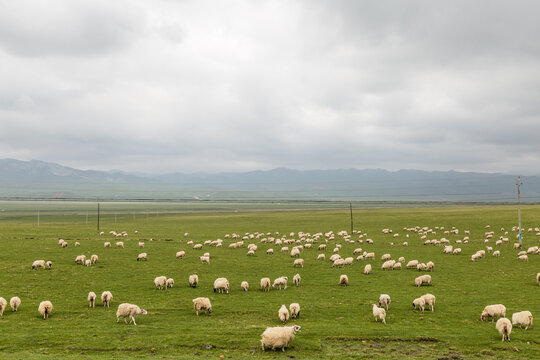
(38, 179)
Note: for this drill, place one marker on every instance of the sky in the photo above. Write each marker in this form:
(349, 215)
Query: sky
(188, 86)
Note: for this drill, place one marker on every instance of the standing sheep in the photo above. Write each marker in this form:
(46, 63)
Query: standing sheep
(38, 264)
(202, 304)
(299, 263)
(493, 311)
(3, 305)
(221, 285)
(91, 299)
(180, 254)
(379, 313)
(193, 280)
(522, 318)
(296, 279)
(94, 258)
(265, 284)
(343, 280)
(126, 310)
(367, 269)
(295, 310)
(429, 299)
(169, 283)
(160, 282)
(106, 298)
(45, 308)
(119, 244)
(14, 302)
(504, 326)
(280, 281)
(278, 337)
(141, 257)
(107, 244)
(384, 300)
(423, 279)
(244, 286)
(419, 303)
(283, 314)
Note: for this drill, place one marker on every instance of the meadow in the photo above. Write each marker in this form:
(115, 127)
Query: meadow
(337, 322)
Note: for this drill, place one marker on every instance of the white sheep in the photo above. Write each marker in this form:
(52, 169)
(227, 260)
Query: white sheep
(456, 251)
(39, 264)
(280, 281)
(160, 282)
(412, 264)
(423, 279)
(169, 283)
(429, 300)
(77, 243)
(142, 256)
(197, 247)
(523, 258)
(538, 278)
(384, 300)
(522, 318)
(202, 304)
(278, 337)
(296, 279)
(119, 244)
(88, 262)
(80, 259)
(430, 265)
(343, 280)
(348, 261)
(107, 244)
(419, 303)
(397, 266)
(493, 311)
(14, 302)
(244, 285)
(193, 280)
(388, 265)
(3, 305)
(367, 269)
(91, 299)
(141, 244)
(379, 313)
(283, 314)
(65, 244)
(221, 285)
(265, 284)
(386, 257)
(496, 253)
(180, 254)
(270, 251)
(504, 326)
(48, 264)
(298, 263)
(94, 259)
(295, 310)
(295, 252)
(339, 263)
(45, 308)
(205, 259)
(106, 298)
(126, 310)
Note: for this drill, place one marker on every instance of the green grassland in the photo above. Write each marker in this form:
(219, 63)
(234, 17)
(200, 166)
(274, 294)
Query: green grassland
(337, 322)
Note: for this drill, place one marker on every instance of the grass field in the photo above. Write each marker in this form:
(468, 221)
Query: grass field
(337, 322)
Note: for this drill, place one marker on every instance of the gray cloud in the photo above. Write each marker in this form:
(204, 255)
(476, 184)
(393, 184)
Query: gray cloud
(213, 86)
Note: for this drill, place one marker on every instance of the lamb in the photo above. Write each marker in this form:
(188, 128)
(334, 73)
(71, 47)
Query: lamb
(91, 299)
(522, 318)
(14, 302)
(296, 279)
(419, 303)
(283, 314)
(180, 254)
(141, 257)
(119, 244)
(298, 262)
(45, 308)
(367, 269)
(3, 304)
(161, 282)
(265, 284)
(279, 282)
(504, 326)
(429, 300)
(107, 244)
(94, 258)
(169, 283)
(221, 285)
(106, 298)
(423, 279)
(202, 304)
(384, 300)
(379, 313)
(193, 280)
(80, 259)
(278, 337)
(38, 264)
(244, 285)
(343, 280)
(126, 310)
(493, 311)
(205, 259)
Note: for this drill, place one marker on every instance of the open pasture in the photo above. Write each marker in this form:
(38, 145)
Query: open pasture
(337, 321)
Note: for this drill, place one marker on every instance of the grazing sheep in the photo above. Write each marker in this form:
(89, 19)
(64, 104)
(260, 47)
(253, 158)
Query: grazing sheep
(298, 263)
(338, 263)
(504, 326)
(126, 310)
(48, 264)
(161, 282)
(384, 300)
(141, 244)
(523, 258)
(401, 259)
(180, 254)
(456, 251)
(283, 314)
(205, 259)
(496, 253)
(265, 284)
(80, 259)
(475, 257)
(77, 243)
(295, 310)
(348, 261)
(244, 286)
(106, 298)
(197, 247)
(388, 265)
(278, 337)
(60, 241)
(221, 285)
(119, 244)
(141, 257)
(193, 280)
(343, 280)
(423, 279)
(430, 265)
(386, 257)
(280, 281)
(65, 244)
(3, 304)
(412, 264)
(397, 266)
(169, 283)
(493, 311)
(379, 313)
(45, 308)
(270, 251)
(39, 264)
(370, 255)
(522, 318)
(88, 262)
(202, 304)
(94, 258)
(14, 302)
(107, 244)
(367, 269)
(419, 303)
(429, 300)
(91, 299)
(250, 253)
(296, 279)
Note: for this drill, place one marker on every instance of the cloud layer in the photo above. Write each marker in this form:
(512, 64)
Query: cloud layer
(211, 86)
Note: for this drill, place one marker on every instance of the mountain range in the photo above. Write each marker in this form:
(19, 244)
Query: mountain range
(44, 180)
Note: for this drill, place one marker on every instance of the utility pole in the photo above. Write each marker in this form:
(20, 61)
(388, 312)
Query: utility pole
(518, 183)
(352, 226)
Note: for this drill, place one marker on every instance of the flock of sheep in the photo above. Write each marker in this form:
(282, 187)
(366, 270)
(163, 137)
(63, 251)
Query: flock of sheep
(294, 245)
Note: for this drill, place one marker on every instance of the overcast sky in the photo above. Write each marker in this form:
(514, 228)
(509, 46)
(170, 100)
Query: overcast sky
(166, 86)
